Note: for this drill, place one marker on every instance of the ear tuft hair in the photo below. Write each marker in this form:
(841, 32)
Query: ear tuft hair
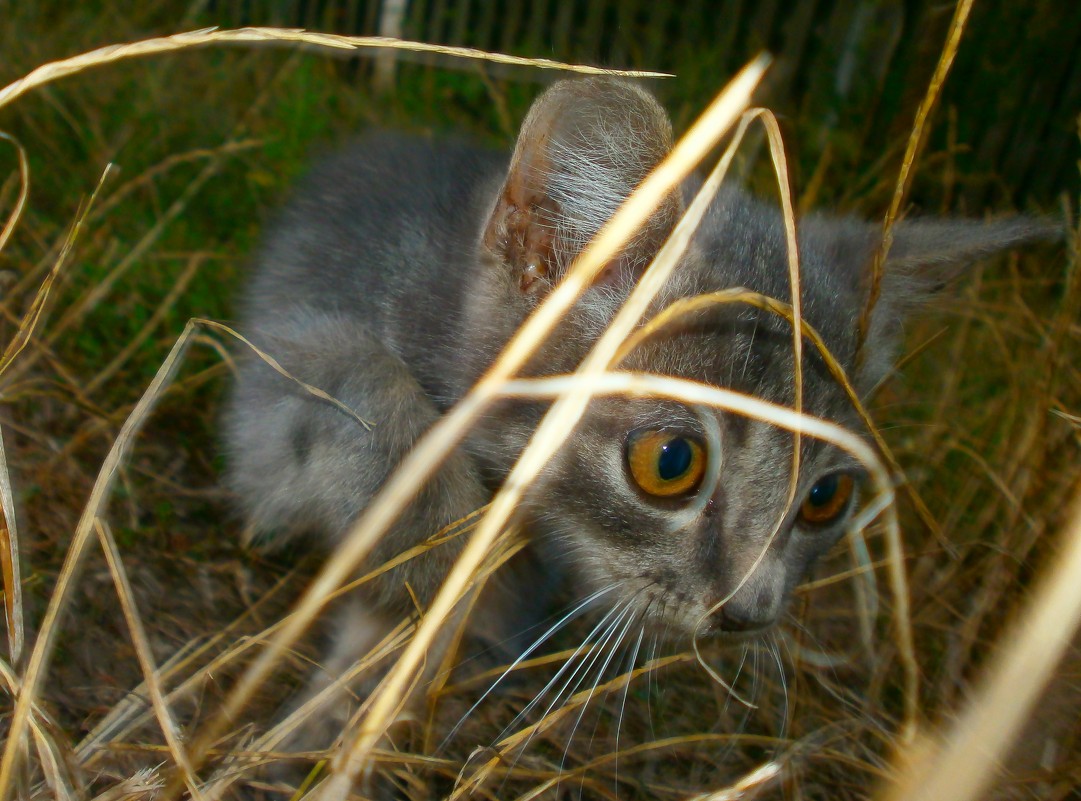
(583, 148)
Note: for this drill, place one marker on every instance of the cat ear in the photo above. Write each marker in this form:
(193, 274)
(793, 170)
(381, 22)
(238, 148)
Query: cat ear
(926, 255)
(583, 148)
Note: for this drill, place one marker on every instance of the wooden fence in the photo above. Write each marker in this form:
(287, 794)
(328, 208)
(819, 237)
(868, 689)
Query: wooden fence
(848, 78)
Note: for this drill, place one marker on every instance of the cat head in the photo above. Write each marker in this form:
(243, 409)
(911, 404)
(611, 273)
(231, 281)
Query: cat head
(685, 510)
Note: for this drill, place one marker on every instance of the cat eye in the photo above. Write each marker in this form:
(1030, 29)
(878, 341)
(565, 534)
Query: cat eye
(665, 464)
(827, 499)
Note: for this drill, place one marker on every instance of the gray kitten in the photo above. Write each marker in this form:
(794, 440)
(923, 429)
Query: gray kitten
(402, 268)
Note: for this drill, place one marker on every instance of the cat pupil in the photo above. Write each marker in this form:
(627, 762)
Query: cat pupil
(674, 459)
(823, 491)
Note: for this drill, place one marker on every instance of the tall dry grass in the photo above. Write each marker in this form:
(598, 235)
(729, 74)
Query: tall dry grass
(886, 693)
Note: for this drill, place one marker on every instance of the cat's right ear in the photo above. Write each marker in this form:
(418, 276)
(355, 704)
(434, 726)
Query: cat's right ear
(927, 255)
(583, 148)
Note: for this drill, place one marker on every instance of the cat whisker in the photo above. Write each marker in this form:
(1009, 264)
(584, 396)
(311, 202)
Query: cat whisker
(641, 616)
(840, 692)
(600, 647)
(635, 617)
(615, 644)
(821, 656)
(590, 654)
(774, 651)
(746, 649)
(610, 619)
(750, 350)
(755, 650)
(649, 685)
(559, 624)
(629, 669)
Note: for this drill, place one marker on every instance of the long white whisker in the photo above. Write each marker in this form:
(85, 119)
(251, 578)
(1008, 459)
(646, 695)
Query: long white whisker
(590, 660)
(843, 693)
(756, 675)
(649, 686)
(775, 652)
(623, 702)
(746, 651)
(615, 643)
(559, 624)
(616, 614)
(735, 678)
(612, 615)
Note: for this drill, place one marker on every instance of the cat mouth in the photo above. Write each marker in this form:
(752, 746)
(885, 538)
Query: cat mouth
(728, 632)
(689, 626)
(677, 614)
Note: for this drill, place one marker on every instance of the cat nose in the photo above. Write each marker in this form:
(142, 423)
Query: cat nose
(755, 603)
(752, 609)
(737, 619)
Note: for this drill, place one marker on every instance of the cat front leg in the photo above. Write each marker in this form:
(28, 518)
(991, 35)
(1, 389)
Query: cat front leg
(301, 465)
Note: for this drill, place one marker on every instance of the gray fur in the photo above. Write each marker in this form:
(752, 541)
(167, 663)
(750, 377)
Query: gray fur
(403, 266)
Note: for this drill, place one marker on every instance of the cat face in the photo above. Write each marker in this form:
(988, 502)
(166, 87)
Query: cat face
(720, 555)
(695, 513)
(693, 516)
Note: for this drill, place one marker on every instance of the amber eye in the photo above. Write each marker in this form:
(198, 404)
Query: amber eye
(665, 464)
(827, 499)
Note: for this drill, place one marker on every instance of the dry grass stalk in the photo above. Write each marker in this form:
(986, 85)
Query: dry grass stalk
(24, 190)
(912, 151)
(78, 310)
(9, 560)
(34, 668)
(132, 346)
(9, 535)
(47, 73)
(125, 190)
(51, 752)
(10, 570)
(749, 783)
(963, 766)
(31, 319)
(146, 658)
(132, 712)
(37, 664)
(276, 366)
(143, 785)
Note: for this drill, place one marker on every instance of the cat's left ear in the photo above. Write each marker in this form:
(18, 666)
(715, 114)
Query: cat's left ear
(583, 148)
(925, 257)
